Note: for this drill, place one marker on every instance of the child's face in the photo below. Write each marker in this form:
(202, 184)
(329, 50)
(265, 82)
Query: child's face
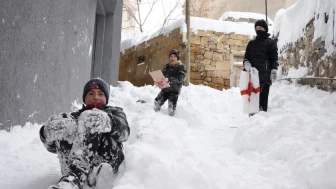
(172, 57)
(95, 96)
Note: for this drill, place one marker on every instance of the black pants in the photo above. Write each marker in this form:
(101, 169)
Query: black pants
(263, 99)
(95, 148)
(172, 101)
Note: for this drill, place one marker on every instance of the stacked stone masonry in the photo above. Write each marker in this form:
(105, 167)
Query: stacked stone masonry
(311, 54)
(210, 57)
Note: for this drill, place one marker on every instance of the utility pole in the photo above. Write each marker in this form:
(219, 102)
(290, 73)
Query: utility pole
(266, 10)
(187, 52)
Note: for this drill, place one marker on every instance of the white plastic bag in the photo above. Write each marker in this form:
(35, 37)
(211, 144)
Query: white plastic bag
(250, 90)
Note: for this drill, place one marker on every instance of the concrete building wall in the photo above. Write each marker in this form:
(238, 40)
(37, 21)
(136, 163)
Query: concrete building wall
(46, 55)
(107, 41)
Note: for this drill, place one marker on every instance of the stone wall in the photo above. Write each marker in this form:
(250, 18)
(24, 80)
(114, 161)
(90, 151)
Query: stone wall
(211, 60)
(306, 53)
(210, 57)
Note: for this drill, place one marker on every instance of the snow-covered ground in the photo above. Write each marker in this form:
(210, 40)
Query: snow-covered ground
(210, 144)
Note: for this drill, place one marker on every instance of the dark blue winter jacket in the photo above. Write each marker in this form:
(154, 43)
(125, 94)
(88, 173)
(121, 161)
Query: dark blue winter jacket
(262, 53)
(176, 74)
(119, 133)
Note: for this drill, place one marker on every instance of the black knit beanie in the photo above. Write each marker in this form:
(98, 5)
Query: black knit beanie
(97, 83)
(261, 23)
(176, 52)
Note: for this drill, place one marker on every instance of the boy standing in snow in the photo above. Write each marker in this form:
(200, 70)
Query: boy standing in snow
(175, 71)
(262, 53)
(88, 141)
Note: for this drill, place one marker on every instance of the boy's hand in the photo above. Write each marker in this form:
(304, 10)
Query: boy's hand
(162, 83)
(247, 66)
(96, 120)
(59, 127)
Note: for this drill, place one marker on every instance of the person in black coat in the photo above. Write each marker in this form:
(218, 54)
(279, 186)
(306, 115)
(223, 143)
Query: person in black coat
(176, 72)
(262, 53)
(87, 140)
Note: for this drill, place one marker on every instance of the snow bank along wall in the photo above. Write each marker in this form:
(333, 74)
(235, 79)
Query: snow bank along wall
(308, 58)
(47, 50)
(310, 54)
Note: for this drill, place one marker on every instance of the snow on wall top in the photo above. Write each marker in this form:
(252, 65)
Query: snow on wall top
(246, 15)
(134, 38)
(290, 24)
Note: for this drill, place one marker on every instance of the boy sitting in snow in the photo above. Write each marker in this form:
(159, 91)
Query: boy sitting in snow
(175, 71)
(89, 140)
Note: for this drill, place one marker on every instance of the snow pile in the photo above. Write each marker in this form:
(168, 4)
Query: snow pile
(299, 143)
(290, 24)
(297, 73)
(209, 144)
(245, 15)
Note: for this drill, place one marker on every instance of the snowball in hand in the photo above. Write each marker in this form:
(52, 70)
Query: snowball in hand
(96, 120)
(59, 127)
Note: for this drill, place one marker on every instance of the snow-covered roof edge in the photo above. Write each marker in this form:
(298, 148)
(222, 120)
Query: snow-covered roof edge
(196, 23)
(246, 15)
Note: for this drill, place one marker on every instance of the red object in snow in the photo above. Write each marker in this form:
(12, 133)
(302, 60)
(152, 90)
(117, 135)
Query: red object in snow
(250, 89)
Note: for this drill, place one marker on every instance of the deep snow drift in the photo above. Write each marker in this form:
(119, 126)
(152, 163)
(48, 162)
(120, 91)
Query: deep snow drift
(209, 144)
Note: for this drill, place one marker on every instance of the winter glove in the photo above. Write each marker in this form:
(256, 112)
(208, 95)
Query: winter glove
(97, 121)
(247, 66)
(273, 75)
(163, 83)
(59, 127)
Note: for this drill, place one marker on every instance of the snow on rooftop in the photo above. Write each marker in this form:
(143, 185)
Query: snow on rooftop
(134, 38)
(290, 24)
(246, 15)
(242, 28)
